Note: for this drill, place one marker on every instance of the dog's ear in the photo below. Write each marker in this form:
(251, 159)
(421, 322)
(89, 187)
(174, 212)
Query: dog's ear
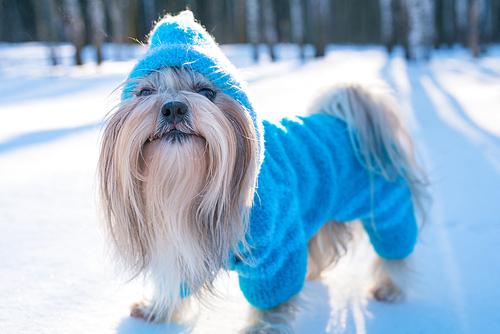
(246, 164)
(120, 202)
(246, 144)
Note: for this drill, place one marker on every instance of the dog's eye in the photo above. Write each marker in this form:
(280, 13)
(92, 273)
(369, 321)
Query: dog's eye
(208, 93)
(145, 92)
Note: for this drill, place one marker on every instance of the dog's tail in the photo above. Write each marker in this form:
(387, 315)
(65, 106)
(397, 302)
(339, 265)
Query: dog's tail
(381, 143)
(378, 134)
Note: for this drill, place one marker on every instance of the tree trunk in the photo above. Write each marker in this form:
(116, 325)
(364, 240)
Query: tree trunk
(253, 33)
(485, 22)
(297, 25)
(319, 16)
(239, 21)
(403, 26)
(75, 27)
(98, 25)
(41, 23)
(473, 36)
(421, 28)
(386, 25)
(118, 10)
(495, 21)
(149, 12)
(47, 22)
(429, 20)
(270, 33)
(461, 21)
(447, 22)
(415, 31)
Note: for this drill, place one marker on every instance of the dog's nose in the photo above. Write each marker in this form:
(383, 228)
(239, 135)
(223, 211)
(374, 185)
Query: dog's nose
(174, 111)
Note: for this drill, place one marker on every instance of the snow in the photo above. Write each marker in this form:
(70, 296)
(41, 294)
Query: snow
(55, 277)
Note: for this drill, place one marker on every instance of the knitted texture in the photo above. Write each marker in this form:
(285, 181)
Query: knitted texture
(310, 175)
(179, 41)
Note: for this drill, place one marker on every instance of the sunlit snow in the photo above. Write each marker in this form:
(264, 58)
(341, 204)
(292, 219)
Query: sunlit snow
(54, 274)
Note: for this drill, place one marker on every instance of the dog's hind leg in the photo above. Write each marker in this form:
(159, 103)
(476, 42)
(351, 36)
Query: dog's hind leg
(329, 244)
(383, 145)
(276, 320)
(390, 277)
(326, 247)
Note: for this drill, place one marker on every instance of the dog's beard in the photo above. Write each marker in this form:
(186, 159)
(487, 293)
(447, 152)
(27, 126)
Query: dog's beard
(175, 205)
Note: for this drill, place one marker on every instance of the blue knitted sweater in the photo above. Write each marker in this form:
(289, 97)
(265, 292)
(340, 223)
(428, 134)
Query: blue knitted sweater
(310, 174)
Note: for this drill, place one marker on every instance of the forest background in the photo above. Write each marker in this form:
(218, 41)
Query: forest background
(417, 25)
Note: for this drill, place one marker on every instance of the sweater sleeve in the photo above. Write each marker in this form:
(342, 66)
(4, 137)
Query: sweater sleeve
(387, 215)
(278, 279)
(275, 269)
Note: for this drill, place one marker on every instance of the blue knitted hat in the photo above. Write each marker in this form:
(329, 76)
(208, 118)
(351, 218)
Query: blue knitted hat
(179, 41)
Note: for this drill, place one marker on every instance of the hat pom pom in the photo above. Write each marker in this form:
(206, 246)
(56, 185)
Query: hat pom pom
(180, 29)
(186, 15)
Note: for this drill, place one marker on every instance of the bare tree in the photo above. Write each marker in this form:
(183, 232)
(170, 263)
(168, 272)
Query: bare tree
(270, 33)
(238, 21)
(485, 21)
(118, 10)
(473, 34)
(149, 12)
(297, 23)
(495, 20)
(386, 24)
(74, 26)
(414, 24)
(416, 29)
(253, 33)
(319, 21)
(98, 25)
(429, 19)
(461, 20)
(47, 25)
(421, 28)
(447, 21)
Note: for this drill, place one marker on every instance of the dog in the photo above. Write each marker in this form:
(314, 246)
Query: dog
(193, 183)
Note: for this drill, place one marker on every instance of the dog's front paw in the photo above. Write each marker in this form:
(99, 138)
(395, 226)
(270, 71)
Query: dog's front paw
(390, 277)
(144, 311)
(386, 291)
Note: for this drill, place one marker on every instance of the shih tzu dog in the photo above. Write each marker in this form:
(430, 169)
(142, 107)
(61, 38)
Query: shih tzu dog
(192, 182)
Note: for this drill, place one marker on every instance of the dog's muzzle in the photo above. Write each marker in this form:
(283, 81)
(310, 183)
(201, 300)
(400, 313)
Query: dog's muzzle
(175, 125)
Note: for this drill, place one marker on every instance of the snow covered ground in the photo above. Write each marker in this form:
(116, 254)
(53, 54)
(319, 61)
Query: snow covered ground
(53, 274)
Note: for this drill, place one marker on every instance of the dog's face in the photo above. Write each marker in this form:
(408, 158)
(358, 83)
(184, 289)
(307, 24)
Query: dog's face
(177, 174)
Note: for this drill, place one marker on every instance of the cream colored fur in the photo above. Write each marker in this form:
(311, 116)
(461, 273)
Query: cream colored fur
(327, 246)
